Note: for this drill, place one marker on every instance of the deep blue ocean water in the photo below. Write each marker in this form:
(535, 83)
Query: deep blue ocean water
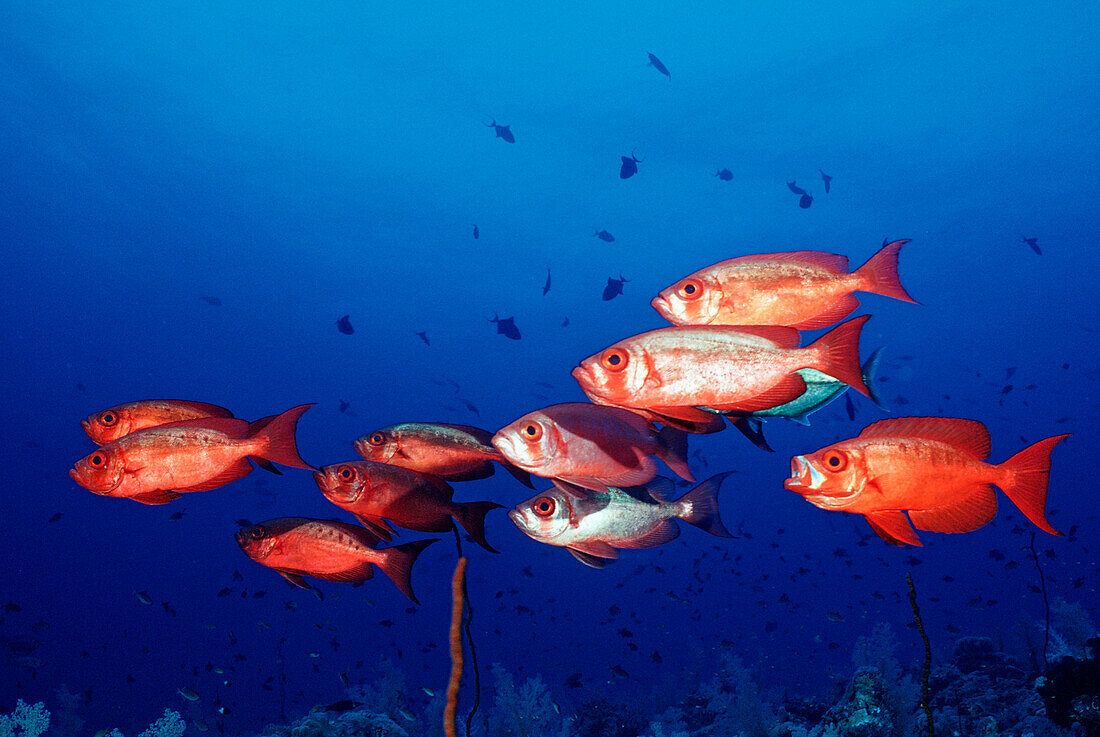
(300, 162)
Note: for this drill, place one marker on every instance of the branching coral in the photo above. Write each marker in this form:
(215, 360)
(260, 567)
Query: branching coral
(25, 721)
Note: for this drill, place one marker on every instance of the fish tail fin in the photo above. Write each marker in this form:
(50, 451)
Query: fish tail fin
(870, 373)
(880, 274)
(398, 561)
(277, 435)
(702, 506)
(518, 474)
(839, 354)
(471, 515)
(1026, 476)
(674, 450)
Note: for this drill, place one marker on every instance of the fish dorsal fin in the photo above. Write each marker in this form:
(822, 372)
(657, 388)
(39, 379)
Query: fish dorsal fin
(592, 561)
(832, 261)
(238, 470)
(783, 337)
(977, 507)
(968, 436)
(893, 527)
(156, 497)
(664, 532)
(294, 578)
(598, 548)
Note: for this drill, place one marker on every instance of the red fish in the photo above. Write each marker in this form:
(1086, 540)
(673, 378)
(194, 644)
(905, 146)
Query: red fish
(805, 290)
(332, 551)
(451, 452)
(592, 446)
(377, 492)
(932, 468)
(112, 424)
(686, 372)
(157, 464)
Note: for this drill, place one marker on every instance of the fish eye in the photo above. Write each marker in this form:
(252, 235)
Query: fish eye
(97, 460)
(377, 439)
(108, 418)
(346, 473)
(258, 532)
(836, 461)
(690, 289)
(544, 506)
(532, 432)
(614, 359)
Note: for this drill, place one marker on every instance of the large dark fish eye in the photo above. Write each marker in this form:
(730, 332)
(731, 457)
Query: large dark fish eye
(377, 439)
(108, 418)
(690, 289)
(346, 473)
(257, 532)
(835, 460)
(532, 431)
(97, 460)
(544, 506)
(614, 359)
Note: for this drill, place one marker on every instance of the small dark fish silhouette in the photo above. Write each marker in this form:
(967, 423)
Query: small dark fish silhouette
(1034, 243)
(603, 235)
(506, 327)
(656, 64)
(56, 516)
(565, 323)
(502, 131)
(344, 325)
(805, 201)
(614, 287)
(343, 705)
(630, 166)
(344, 406)
(477, 233)
(795, 188)
(423, 336)
(546, 286)
(210, 300)
(826, 178)
(724, 174)
(470, 406)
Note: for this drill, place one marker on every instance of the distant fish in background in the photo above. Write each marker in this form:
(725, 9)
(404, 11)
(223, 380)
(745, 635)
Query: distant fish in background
(123, 419)
(423, 335)
(630, 166)
(724, 174)
(805, 198)
(506, 327)
(565, 322)
(344, 325)
(826, 179)
(793, 186)
(1034, 243)
(477, 233)
(502, 131)
(470, 406)
(603, 235)
(546, 286)
(345, 408)
(614, 287)
(658, 65)
(211, 300)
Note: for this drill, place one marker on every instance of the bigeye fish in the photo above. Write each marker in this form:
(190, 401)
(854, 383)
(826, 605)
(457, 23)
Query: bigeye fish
(123, 419)
(451, 452)
(594, 525)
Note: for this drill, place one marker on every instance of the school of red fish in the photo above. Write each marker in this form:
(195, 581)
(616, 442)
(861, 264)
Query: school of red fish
(734, 353)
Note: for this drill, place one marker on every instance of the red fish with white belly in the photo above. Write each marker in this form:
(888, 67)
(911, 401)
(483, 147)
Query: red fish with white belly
(123, 419)
(932, 469)
(805, 290)
(157, 464)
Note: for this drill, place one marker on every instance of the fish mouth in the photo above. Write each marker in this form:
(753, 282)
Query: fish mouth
(240, 537)
(322, 480)
(361, 448)
(519, 519)
(586, 377)
(662, 305)
(75, 475)
(86, 426)
(804, 477)
(505, 445)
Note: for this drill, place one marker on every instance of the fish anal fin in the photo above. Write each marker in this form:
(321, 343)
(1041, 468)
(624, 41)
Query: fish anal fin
(836, 312)
(159, 496)
(592, 561)
(977, 508)
(237, 470)
(598, 548)
(968, 436)
(662, 533)
(893, 527)
(360, 572)
(295, 578)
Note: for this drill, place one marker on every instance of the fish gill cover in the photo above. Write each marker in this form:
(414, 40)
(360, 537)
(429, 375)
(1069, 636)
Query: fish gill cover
(257, 207)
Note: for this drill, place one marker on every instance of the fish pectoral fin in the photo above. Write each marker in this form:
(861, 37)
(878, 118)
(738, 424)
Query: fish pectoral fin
(664, 532)
(977, 507)
(592, 561)
(598, 548)
(377, 525)
(893, 527)
(295, 578)
(160, 496)
(238, 470)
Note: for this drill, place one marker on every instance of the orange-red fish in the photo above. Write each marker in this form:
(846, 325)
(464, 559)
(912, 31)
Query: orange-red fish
(685, 372)
(932, 468)
(157, 464)
(377, 492)
(805, 290)
(113, 423)
(592, 446)
(332, 551)
(452, 452)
